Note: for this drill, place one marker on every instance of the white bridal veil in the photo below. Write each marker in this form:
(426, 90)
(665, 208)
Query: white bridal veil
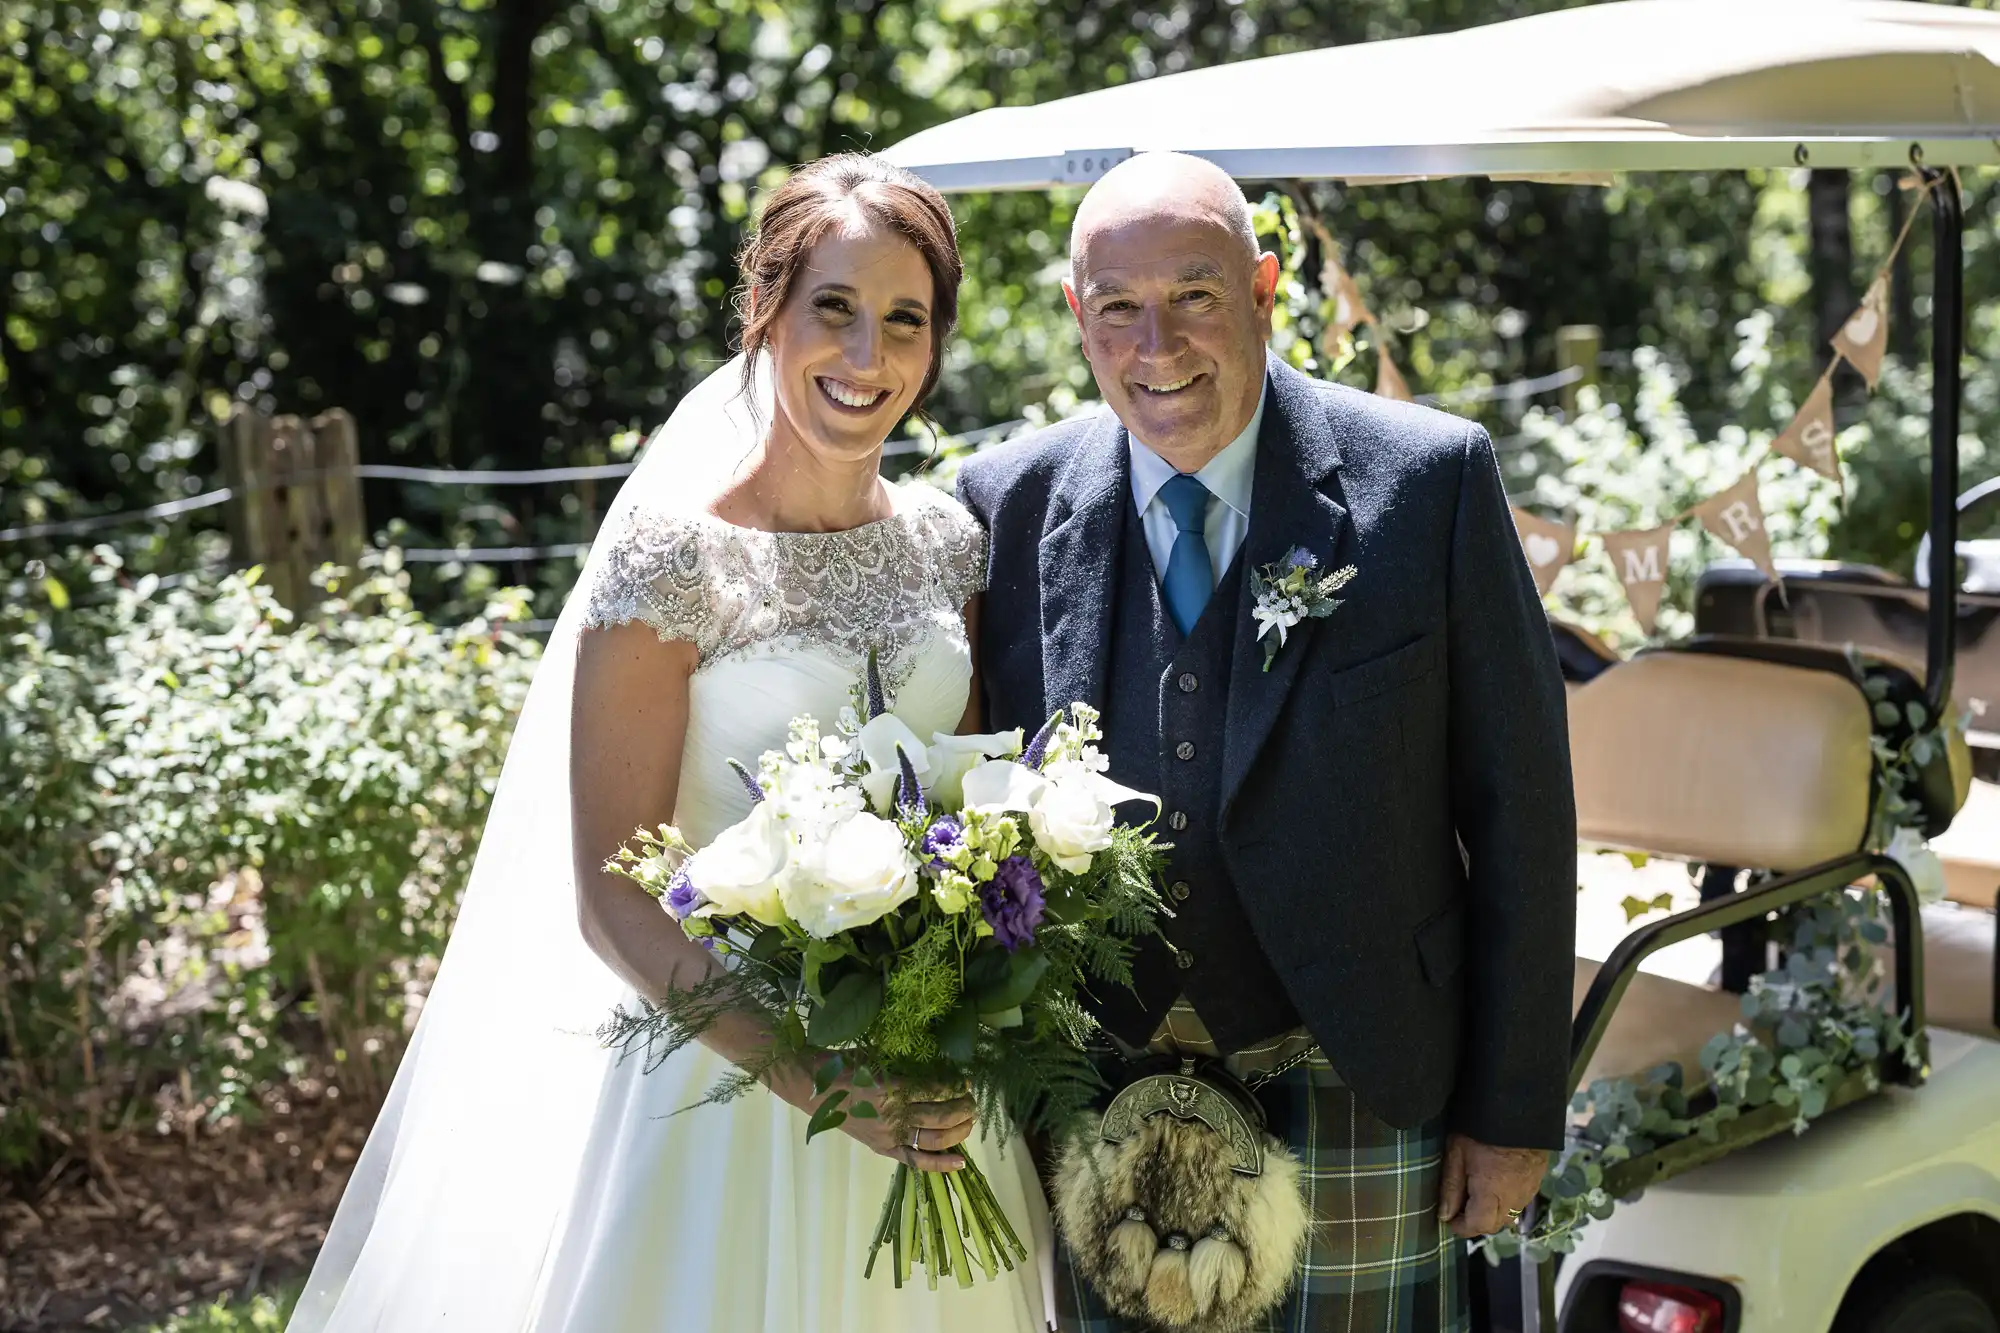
(462, 1186)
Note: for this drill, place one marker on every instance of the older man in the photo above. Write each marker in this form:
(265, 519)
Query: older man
(1373, 834)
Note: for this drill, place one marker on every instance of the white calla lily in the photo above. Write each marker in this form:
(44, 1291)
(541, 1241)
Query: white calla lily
(1001, 785)
(878, 742)
(952, 757)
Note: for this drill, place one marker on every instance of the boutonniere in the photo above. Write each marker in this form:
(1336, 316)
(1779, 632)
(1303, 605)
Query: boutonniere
(1290, 591)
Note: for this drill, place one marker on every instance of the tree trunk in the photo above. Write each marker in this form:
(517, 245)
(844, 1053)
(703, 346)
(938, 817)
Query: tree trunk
(1902, 293)
(1832, 264)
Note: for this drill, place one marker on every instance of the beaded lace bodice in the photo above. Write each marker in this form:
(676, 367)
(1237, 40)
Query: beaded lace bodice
(782, 623)
(725, 589)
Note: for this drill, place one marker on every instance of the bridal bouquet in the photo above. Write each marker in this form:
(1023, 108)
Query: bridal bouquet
(927, 913)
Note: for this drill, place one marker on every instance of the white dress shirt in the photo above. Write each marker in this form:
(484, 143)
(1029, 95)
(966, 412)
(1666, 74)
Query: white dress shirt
(1228, 477)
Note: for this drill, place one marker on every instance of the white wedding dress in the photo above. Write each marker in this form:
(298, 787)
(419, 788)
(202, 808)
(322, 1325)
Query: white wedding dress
(520, 1178)
(724, 1217)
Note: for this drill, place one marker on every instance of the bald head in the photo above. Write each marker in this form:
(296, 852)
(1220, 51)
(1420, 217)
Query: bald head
(1149, 189)
(1174, 303)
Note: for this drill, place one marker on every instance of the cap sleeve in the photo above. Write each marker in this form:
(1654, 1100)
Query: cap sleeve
(656, 571)
(959, 548)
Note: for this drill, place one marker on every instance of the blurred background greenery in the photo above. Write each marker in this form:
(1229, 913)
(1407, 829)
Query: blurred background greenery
(499, 233)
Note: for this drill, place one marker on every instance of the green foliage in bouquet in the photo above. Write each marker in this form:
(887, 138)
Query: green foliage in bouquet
(923, 915)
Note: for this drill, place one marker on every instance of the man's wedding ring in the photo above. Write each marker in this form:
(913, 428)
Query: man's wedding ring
(1513, 1214)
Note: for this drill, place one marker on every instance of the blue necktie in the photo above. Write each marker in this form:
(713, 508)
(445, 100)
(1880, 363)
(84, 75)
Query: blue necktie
(1190, 576)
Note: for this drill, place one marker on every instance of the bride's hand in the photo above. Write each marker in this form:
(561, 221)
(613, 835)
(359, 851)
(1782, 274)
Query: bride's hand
(917, 1127)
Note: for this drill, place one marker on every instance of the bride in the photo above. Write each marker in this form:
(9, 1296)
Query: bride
(522, 1178)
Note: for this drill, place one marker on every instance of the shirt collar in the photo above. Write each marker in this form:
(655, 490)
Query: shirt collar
(1228, 475)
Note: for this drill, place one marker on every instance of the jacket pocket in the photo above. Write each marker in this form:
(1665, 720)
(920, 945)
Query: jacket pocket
(1440, 945)
(1384, 674)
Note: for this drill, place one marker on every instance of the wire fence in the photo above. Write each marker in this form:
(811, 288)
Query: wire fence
(1517, 391)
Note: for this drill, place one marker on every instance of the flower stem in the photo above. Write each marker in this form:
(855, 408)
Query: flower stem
(976, 1226)
(953, 1247)
(884, 1225)
(906, 1230)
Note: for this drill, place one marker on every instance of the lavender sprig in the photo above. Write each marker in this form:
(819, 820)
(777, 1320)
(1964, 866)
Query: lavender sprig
(909, 792)
(1038, 748)
(750, 783)
(876, 700)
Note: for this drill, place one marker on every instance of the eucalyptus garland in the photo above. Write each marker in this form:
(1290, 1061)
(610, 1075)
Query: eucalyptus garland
(1807, 1027)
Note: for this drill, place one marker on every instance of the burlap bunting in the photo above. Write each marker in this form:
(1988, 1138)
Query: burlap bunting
(1548, 546)
(1640, 560)
(1864, 338)
(1736, 517)
(1808, 441)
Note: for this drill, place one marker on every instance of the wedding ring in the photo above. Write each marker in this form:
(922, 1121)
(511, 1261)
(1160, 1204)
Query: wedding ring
(1513, 1214)
(917, 1143)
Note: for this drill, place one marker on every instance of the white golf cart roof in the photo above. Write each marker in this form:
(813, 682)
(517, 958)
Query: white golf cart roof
(1640, 85)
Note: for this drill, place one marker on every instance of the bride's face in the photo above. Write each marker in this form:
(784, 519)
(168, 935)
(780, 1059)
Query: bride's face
(852, 345)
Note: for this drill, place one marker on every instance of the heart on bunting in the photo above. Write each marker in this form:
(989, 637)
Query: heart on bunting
(1547, 545)
(1864, 338)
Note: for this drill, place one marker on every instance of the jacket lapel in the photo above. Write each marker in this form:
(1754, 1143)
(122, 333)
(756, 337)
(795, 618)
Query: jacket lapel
(1079, 570)
(1297, 453)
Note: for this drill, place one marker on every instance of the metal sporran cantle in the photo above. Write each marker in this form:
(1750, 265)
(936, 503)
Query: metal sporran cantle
(1180, 1209)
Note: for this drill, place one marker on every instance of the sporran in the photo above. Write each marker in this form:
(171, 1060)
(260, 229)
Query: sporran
(1179, 1207)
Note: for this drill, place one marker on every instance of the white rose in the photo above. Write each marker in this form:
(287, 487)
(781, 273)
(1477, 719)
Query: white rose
(1071, 815)
(952, 757)
(857, 874)
(879, 741)
(1071, 824)
(1001, 785)
(1909, 850)
(738, 872)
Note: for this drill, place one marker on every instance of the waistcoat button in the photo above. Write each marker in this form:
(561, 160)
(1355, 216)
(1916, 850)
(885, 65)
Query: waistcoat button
(1179, 890)
(1188, 683)
(1177, 821)
(1185, 750)
(1183, 959)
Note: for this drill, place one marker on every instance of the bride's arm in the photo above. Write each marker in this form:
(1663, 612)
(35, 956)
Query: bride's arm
(628, 720)
(975, 699)
(628, 723)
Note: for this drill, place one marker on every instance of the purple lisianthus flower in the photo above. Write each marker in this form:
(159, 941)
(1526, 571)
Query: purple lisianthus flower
(1011, 902)
(1300, 558)
(682, 896)
(942, 838)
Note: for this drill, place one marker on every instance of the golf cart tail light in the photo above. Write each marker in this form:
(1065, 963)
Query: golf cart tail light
(1646, 1307)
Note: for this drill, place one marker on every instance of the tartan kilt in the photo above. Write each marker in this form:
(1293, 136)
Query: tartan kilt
(1377, 1262)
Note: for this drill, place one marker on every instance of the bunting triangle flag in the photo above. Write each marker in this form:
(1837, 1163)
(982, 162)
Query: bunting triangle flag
(1864, 338)
(1736, 517)
(1349, 310)
(1808, 441)
(1389, 381)
(1548, 546)
(1640, 561)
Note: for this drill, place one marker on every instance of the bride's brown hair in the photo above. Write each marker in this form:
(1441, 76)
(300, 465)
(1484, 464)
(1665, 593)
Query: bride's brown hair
(816, 198)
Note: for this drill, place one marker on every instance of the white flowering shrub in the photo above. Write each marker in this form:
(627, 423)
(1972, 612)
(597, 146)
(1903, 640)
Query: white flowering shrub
(228, 838)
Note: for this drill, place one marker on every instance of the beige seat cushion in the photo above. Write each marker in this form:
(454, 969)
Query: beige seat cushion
(1657, 1021)
(1724, 760)
(1970, 849)
(1958, 970)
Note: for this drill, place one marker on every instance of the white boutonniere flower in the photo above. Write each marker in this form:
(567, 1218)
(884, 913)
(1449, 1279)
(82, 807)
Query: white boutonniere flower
(1291, 591)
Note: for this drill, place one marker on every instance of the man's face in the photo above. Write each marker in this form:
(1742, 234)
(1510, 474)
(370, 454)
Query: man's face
(1175, 316)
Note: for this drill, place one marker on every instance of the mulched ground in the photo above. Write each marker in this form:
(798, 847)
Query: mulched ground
(150, 1225)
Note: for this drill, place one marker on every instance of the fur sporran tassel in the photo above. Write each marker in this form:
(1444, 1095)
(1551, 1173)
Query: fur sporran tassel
(1169, 1233)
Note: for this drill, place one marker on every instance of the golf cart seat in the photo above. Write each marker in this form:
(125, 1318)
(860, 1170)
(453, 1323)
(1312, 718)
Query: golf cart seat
(1724, 752)
(1960, 933)
(1660, 1020)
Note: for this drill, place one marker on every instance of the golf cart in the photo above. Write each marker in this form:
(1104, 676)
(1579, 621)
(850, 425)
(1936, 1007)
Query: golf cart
(1760, 732)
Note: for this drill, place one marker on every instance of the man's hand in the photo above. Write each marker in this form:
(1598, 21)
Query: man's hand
(1485, 1187)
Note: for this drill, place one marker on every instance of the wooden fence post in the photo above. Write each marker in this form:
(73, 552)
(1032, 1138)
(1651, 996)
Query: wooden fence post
(297, 502)
(1578, 346)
